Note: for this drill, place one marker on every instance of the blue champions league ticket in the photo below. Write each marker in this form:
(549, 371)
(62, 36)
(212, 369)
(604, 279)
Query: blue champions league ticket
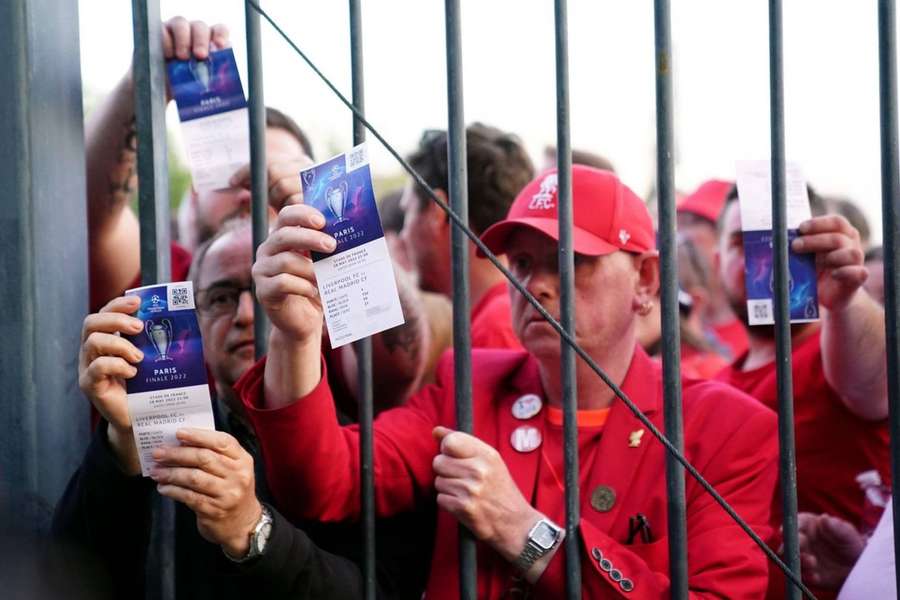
(356, 282)
(755, 197)
(213, 114)
(171, 389)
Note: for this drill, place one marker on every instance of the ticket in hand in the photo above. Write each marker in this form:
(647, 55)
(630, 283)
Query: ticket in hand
(171, 389)
(356, 282)
(754, 183)
(213, 114)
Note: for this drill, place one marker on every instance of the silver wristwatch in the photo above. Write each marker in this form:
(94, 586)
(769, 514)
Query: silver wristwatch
(542, 538)
(259, 537)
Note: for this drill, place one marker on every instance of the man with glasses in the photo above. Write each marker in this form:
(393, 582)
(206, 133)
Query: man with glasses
(230, 541)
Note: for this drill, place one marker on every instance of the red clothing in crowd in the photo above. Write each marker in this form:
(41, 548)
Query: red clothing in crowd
(491, 321)
(733, 336)
(698, 364)
(833, 445)
(181, 265)
(312, 467)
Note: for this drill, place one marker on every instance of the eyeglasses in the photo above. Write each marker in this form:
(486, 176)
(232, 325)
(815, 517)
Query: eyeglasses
(221, 299)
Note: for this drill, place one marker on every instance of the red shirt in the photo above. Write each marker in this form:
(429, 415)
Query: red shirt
(833, 445)
(733, 336)
(312, 467)
(698, 364)
(491, 322)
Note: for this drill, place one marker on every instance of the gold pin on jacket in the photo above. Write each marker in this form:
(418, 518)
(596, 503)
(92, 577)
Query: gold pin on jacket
(634, 438)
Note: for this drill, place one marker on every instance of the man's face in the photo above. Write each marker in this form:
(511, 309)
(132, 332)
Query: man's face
(731, 260)
(701, 233)
(605, 296)
(425, 242)
(216, 207)
(225, 306)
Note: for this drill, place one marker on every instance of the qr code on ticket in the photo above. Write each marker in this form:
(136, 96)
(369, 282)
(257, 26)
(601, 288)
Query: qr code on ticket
(357, 157)
(760, 312)
(180, 296)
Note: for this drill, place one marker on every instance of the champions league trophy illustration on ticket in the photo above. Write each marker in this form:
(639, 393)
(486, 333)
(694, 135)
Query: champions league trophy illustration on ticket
(754, 182)
(213, 114)
(356, 281)
(170, 390)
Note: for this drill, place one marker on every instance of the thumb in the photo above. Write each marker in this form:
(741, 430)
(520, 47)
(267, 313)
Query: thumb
(440, 432)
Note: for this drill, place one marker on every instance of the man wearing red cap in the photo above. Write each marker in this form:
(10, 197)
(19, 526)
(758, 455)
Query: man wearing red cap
(697, 215)
(505, 482)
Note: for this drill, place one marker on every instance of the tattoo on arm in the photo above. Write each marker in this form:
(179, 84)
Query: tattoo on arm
(122, 177)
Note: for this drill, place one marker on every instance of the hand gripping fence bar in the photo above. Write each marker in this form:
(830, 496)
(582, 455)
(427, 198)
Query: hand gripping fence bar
(458, 189)
(543, 312)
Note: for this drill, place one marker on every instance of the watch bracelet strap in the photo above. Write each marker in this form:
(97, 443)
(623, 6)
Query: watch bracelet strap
(529, 555)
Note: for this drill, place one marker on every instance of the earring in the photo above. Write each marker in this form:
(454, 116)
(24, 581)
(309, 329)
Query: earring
(645, 308)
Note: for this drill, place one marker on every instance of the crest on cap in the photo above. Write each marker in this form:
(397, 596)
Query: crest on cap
(543, 200)
(624, 236)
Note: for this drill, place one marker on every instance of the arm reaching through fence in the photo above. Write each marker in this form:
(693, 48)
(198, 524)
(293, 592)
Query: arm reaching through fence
(111, 157)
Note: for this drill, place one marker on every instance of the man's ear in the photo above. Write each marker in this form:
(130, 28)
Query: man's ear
(647, 283)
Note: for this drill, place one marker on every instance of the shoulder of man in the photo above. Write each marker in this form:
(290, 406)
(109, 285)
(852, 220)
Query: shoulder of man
(491, 368)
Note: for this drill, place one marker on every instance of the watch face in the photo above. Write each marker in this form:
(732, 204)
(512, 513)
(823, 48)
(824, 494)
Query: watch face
(544, 536)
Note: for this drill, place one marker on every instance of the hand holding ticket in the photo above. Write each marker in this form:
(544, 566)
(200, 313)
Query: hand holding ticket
(754, 182)
(170, 389)
(213, 114)
(356, 281)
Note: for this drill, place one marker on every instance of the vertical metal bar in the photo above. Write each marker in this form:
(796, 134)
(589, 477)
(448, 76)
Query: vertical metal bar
(678, 568)
(787, 460)
(150, 117)
(890, 195)
(258, 176)
(567, 304)
(363, 347)
(459, 201)
(153, 203)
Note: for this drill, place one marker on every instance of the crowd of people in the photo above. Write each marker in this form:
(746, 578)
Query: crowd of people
(285, 452)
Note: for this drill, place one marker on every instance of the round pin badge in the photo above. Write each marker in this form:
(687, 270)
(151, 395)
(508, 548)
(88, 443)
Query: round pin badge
(525, 438)
(527, 406)
(603, 498)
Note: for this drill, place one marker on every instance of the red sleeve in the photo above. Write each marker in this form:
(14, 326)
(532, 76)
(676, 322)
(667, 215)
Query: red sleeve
(723, 562)
(312, 463)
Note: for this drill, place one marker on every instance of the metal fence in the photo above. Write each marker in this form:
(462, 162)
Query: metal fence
(149, 103)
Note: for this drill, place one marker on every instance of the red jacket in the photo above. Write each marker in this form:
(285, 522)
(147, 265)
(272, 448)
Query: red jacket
(313, 470)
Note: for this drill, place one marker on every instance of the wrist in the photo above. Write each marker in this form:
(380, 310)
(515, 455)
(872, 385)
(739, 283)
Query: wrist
(237, 546)
(283, 342)
(121, 441)
(513, 538)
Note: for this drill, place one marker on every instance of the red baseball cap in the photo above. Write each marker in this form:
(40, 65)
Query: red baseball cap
(707, 200)
(607, 216)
